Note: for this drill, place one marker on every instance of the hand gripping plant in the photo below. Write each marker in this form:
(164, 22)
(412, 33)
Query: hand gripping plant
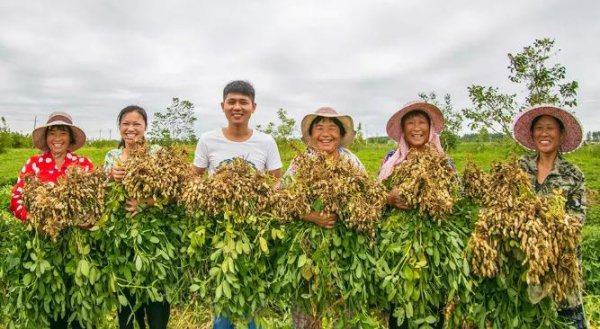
(325, 273)
(421, 265)
(524, 247)
(229, 245)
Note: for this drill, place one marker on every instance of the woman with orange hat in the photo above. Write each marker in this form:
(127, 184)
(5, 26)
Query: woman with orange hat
(57, 140)
(415, 126)
(551, 131)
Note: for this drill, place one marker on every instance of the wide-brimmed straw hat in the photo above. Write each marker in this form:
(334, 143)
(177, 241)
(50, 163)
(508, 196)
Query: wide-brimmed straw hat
(56, 119)
(572, 135)
(436, 118)
(328, 112)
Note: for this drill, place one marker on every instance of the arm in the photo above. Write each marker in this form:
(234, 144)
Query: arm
(576, 200)
(16, 200)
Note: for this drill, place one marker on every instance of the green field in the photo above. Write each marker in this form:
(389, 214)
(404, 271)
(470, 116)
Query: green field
(587, 158)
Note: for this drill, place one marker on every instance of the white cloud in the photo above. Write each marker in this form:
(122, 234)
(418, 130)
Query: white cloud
(366, 59)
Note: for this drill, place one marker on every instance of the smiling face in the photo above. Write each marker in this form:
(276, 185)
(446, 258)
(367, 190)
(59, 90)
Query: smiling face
(325, 135)
(59, 138)
(238, 108)
(132, 127)
(547, 134)
(415, 127)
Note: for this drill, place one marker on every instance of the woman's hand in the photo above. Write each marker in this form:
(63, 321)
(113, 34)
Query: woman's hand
(395, 200)
(117, 172)
(132, 205)
(88, 223)
(322, 220)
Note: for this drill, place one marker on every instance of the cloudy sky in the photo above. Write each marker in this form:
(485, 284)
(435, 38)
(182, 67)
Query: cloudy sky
(364, 58)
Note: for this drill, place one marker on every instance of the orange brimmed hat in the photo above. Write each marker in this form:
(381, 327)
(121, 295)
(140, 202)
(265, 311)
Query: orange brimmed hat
(328, 112)
(394, 124)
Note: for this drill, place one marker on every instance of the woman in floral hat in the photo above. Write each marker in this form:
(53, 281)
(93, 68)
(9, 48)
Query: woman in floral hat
(551, 131)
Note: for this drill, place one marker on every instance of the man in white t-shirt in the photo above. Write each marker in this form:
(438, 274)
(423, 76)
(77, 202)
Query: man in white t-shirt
(237, 140)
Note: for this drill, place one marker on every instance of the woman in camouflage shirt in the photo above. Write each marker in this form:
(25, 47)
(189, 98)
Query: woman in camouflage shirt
(550, 131)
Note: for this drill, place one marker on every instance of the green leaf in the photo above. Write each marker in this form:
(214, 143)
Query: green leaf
(27, 278)
(123, 301)
(301, 260)
(84, 267)
(226, 289)
(138, 263)
(194, 288)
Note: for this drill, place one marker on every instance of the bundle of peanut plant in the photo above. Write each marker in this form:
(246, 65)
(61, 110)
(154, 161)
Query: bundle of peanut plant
(322, 272)
(142, 248)
(426, 181)
(336, 186)
(47, 257)
(523, 247)
(158, 174)
(475, 182)
(76, 198)
(421, 264)
(236, 188)
(229, 244)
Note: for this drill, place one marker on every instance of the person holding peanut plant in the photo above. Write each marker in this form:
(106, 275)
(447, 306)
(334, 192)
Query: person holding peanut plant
(416, 128)
(331, 177)
(57, 140)
(551, 131)
(327, 132)
(237, 140)
(133, 121)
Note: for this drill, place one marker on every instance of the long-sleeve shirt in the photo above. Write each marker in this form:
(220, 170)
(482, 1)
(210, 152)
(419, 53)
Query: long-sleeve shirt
(45, 169)
(565, 176)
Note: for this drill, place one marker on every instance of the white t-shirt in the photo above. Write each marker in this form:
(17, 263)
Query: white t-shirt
(214, 148)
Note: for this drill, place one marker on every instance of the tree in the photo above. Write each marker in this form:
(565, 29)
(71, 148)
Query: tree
(282, 132)
(491, 109)
(452, 119)
(176, 125)
(5, 138)
(545, 83)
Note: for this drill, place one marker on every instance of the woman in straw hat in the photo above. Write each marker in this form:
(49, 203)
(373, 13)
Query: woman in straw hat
(331, 133)
(57, 140)
(551, 131)
(415, 126)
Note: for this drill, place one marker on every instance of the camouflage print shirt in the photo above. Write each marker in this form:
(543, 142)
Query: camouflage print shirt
(564, 175)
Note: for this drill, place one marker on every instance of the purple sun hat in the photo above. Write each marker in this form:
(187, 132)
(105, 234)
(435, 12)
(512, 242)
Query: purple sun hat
(573, 133)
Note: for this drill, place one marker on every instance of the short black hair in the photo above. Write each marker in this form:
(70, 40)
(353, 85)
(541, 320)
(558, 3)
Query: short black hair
(334, 120)
(61, 128)
(560, 124)
(415, 113)
(239, 87)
